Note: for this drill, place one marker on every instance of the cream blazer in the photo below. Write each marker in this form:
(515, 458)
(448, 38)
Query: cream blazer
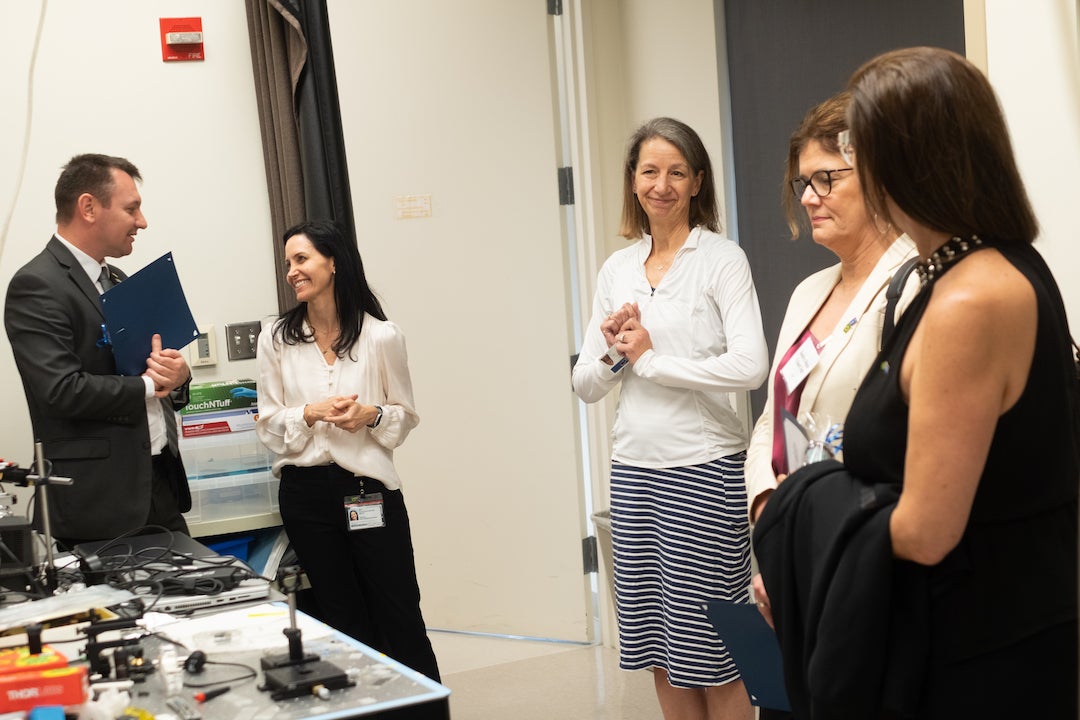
(831, 385)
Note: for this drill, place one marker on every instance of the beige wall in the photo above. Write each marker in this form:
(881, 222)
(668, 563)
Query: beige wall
(1033, 62)
(455, 101)
(636, 76)
(99, 85)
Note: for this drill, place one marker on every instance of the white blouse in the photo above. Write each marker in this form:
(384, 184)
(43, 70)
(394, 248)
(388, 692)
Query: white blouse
(290, 376)
(705, 325)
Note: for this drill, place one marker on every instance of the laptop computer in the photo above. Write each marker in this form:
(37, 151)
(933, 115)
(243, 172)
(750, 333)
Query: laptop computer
(163, 545)
(192, 575)
(250, 589)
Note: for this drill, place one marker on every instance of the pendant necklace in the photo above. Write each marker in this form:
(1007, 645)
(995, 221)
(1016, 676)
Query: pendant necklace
(329, 350)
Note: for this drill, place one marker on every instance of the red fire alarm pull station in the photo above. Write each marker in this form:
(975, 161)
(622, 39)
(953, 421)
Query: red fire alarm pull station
(181, 39)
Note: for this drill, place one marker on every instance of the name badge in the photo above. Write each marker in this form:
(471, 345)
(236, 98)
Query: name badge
(614, 359)
(799, 365)
(364, 512)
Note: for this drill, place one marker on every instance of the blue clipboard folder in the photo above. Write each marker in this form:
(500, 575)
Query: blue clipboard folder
(148, 302)
(755, 650)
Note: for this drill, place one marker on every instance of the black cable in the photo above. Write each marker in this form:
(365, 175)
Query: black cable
(196, 586)
(132, 533)
(156, 592)
(166, 638)
(251, 674)
(165, 570)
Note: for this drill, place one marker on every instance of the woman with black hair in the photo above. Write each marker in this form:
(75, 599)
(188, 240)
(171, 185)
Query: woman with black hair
(335, 399)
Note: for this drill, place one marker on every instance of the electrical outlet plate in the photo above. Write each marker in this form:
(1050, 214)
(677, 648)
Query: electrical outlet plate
(242, 339)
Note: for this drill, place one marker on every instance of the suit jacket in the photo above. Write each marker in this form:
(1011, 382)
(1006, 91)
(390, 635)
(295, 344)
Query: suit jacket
(844, 362)
(90, 420)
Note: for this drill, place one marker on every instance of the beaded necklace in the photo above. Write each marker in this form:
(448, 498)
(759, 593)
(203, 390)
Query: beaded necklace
(954, 249)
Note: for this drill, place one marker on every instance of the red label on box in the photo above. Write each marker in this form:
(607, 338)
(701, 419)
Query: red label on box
(207, 428)
(58, 686)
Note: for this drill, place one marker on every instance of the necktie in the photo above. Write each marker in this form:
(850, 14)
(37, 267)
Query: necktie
(105, 278)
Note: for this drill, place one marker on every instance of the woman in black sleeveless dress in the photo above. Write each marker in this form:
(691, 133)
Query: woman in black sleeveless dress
(972, 407)
(941, 575)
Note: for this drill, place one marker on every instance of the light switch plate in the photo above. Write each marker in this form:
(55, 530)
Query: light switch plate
(242, 339)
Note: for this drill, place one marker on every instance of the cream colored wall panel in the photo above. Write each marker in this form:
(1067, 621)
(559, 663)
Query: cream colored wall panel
(670, 67)
(1034, 65)
(455, 101)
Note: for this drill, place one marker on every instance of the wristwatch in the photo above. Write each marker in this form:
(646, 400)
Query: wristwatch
(378, 417)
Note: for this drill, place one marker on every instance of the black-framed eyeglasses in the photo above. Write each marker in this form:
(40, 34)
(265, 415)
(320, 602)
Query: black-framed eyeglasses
(821, 181)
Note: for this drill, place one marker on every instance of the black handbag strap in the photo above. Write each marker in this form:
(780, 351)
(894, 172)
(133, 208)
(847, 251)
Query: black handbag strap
(892, 296)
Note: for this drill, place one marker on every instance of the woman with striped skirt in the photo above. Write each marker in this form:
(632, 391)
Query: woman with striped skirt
(676, 325)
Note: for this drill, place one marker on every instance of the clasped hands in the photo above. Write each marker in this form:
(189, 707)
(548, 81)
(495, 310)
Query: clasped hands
(342, 411)
(166, 368)
(624, 330)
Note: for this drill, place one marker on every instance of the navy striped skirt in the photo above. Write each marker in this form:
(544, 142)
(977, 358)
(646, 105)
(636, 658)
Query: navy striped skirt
(680, 537)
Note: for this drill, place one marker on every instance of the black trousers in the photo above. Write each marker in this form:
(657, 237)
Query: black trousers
(164, 508)
(164, 502)
(364, 581)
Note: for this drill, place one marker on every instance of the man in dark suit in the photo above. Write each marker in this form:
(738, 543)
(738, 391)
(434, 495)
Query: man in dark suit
(114, 435)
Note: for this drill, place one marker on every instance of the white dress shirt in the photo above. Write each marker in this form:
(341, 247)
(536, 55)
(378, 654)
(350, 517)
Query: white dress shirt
(290, 376)
(705, 325)
(155, 414)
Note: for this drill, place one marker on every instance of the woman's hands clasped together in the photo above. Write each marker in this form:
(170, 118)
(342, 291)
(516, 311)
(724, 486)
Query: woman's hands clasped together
(624, 330)
(342, 411)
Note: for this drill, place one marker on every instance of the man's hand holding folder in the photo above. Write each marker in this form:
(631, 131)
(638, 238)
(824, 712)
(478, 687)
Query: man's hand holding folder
(166, 367)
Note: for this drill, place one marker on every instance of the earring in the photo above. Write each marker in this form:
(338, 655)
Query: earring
(881, 231)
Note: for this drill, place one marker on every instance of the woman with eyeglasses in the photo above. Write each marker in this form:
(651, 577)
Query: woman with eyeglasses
(961, 444)
(833, 325)
(676, 326)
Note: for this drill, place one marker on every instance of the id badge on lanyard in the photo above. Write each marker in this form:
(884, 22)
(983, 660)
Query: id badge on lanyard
(800, 364)
(363, 511)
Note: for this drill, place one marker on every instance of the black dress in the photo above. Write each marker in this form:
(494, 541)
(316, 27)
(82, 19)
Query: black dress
(1003, 603)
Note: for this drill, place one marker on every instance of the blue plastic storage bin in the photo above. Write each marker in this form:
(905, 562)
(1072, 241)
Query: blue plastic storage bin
(237, 547)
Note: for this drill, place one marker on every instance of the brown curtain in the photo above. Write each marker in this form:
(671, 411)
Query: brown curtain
(278, 55)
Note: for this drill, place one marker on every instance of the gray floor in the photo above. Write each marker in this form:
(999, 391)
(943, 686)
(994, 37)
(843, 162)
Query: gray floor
(496, 678)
